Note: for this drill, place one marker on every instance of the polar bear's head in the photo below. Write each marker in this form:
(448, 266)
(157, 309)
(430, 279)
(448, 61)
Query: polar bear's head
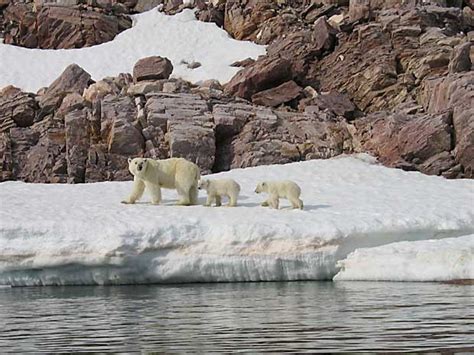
(261, 187)
(203, 184)
(137, 166)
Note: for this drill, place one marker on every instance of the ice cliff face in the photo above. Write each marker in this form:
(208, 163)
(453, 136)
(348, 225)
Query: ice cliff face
(81, 234)
(425, 260)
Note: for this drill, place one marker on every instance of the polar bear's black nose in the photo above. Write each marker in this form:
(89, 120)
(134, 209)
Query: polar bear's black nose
(140, 167)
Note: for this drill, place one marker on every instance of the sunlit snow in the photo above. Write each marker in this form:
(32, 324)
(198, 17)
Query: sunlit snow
(82, 234)
(180, 38)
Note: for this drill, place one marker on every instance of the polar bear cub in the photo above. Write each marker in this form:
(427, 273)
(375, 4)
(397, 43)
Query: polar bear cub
(173, 173)
(280, 189)
(218, 188)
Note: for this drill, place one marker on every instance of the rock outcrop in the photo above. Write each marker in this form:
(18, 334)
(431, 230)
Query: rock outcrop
(391, 78)
(54, 26)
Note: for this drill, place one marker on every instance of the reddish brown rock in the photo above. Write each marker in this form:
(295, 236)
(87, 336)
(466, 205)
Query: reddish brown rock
(70, 103)
(213, 14)
(77, 143)
(60, 26)
(243, 63)
(409, 142)
(6, 157)
(455, 93)
(464, 132)
(359, 10)
(152, 68)
(73, 79)
(187, 124)
(17, 109)
(46, 161)
(278, 95)
(264, 74)
(119, 128)
(460, 59)
(249, 135)
(324, 35)
(16, 145)
(332, 101)
(242, 18)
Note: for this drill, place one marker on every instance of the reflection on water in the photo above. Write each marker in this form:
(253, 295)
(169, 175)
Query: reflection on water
(294, 316)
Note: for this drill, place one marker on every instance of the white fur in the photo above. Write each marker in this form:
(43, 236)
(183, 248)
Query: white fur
(218, 188)
(280, 189)
(173, 173)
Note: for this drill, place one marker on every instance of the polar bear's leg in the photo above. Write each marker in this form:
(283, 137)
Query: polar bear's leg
(155, 192)
(183, 197)
(232, 200)
(218, 201)
(193, 195)
(296, 203)
(210, 200)
(265, 203)
(137, 192)
(273, 201)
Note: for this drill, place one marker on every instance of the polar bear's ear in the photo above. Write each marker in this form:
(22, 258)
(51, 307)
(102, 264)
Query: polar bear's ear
(129, 160)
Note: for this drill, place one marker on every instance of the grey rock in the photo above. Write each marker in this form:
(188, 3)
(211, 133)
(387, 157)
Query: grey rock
(152, 68)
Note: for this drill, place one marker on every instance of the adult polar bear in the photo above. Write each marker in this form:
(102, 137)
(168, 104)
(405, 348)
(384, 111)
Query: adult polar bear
(173, 173)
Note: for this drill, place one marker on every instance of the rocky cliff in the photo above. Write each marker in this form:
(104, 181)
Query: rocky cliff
(392, 78)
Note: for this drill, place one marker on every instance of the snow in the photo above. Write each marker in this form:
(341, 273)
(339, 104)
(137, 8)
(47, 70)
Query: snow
(426, 260)
(82, 234)
(179, 38)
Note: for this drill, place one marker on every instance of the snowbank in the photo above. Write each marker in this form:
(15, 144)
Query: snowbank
(81, 234)
(427, 260)
(179, 37)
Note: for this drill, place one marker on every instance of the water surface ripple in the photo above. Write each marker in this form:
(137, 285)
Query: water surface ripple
(251, 317)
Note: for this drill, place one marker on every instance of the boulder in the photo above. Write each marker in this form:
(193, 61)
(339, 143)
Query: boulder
(262, 75)
(324, 36)
(17, 109)
(278, 95)
(152, 68)
(73, 79)
(243, 18)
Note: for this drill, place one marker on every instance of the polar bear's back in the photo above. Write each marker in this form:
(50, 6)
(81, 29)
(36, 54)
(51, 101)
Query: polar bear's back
(284, 188)
(173, 169)
(223, 186)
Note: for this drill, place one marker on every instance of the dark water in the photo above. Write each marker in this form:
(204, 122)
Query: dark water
(255, 317)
